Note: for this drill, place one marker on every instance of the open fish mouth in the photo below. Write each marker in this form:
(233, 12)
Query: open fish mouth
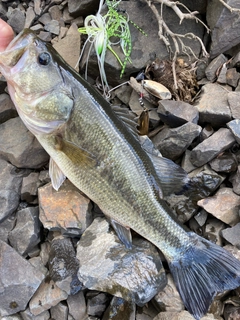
(14, 51)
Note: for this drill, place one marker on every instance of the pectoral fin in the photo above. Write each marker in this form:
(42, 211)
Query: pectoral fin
(123, 233)
(56, 175)
(75, 153)
(173, 178)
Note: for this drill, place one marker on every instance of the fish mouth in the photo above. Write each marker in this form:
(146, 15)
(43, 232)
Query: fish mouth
(15, 50)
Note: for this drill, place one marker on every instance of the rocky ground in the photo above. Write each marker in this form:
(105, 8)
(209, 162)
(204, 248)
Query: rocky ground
(59, 258)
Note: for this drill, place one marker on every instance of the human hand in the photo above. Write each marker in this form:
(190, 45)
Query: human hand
(6, 35)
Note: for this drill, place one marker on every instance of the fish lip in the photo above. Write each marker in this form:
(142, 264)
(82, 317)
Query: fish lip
(15, 49)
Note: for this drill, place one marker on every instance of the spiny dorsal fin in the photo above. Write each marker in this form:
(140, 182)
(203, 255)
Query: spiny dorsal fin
(128, 117)
(123, 233)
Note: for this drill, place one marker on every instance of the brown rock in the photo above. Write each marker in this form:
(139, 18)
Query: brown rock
(224, 205)
(183, 315)
(69, 47)
(47, 296)
(64, 209)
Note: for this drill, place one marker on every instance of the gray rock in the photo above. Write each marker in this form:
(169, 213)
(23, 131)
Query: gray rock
(224, 205)
(213, 105)
(97, 304)
(19, 146)
(222, 76)
(6, 226)
(26, 234)
(7, 110)
(27, 315)
(30, 186)
(48, 295)
(82, 8)
(234, 127)
(69, 46)
(213, 230)
(232, 76)
(207, 131)
(59, 312)
(53, 27)
(234, 103)
(30, 16)
(63, 265)
(45, 18)
(55, 13)
(19, 281)
(225, 162)
(38, 263)
(106, 265)
(225, 26)
(17, 20)
(235, 180)
(173, 142)
(186, 164)
(77, 306)
(10, 186)
(44, 253)
(169, 299)
(13, 317)
(45, 36)
(183, 315)
(232, 235)
(177, 113)
(213, 67)
(201, 217)
(120, 309)
(205, 151)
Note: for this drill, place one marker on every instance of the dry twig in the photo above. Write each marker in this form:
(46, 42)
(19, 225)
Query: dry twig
(177, 39)
(229, 7)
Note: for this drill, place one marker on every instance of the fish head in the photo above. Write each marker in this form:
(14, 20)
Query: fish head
(35, 83)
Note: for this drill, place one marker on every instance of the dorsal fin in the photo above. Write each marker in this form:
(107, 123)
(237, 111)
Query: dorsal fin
(128, 117)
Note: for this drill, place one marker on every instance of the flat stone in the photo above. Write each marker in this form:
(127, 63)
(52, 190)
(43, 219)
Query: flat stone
(10, 186)
(17, 20)
(224, 25)
(55, 13)
(120, 309)
(82, 8)
(224, 205)
(234, 127)
(213, 105)
(232, 77)
(30, 184)
(77, 306)
(37, 6)
(19, 281)
(176, 113)
(59, 312)
(186, 164)
(213, 230)
(63, 265)
(7, 110)
(183, 315)
(97, 304)
(211, 147)
(6, 226)
(234, 103)
(232, 235)
(45, 18)
(26, 234)
(66, 210)
(207, 131)
(19, 146)
(213, 67)
(48, 295)
(53, 27)
(169, 299)
(27, 315)
(106, 265)
(235, 180)
(69, 47)
(30, 16)
(225, 162)
(201, 217)
(172, 142)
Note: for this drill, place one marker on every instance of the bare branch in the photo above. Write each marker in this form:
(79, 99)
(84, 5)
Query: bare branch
(229, 7)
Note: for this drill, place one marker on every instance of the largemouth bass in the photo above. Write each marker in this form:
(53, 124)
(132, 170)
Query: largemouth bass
(92, 146)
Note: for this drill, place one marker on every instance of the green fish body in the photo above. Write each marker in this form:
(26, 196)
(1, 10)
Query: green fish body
(92, 146)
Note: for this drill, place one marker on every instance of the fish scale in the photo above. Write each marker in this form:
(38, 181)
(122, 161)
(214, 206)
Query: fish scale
(92, 146)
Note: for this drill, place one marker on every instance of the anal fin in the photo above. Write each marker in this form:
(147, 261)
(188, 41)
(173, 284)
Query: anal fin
(123, 233)
(56, 175)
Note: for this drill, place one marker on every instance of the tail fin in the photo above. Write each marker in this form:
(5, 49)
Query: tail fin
(202, 271)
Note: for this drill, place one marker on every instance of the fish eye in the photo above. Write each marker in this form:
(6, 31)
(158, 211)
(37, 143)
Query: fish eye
(44, 58)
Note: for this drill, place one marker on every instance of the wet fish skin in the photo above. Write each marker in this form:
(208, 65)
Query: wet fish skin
(89, 144)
